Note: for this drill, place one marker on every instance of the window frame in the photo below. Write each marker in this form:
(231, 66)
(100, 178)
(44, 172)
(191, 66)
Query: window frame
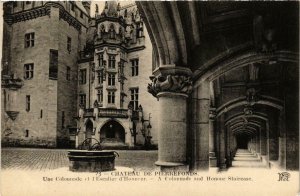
(111, 61)
(100, 77)
(111, 97)
(100, 96)
(134, 67)
(29, 39)
(111, 79)
(81, 100)
(134, 98)
(28, 71)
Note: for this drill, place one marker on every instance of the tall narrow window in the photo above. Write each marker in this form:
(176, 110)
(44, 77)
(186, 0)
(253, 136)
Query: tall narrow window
(100, 96)
(111, 97)
(28, 71)
(41, 114)
(111, 79)
(99, 77)
(69, 44)
(27, 103)
(111, 61)
(53, 64)
(82, 76)
(81, 14)
(101, 59)
(134, 67)
(26, 133)
(68, 75)
(82, 100)
(29, 40)
(134, 98)
(62, 119)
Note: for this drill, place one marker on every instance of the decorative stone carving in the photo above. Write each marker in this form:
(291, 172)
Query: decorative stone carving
(248, 110)
(12, 114)
(170, 83)
(252, 96)
(171, 78)
(212, 114)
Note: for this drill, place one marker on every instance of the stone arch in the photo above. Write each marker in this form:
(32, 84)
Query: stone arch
(112, 132)
(169, 46)
(221, 64)
(241, 101)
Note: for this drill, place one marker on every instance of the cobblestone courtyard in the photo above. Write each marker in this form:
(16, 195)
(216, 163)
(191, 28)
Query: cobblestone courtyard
(49, 159)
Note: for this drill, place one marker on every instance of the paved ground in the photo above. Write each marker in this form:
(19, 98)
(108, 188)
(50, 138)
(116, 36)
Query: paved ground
(49, 159)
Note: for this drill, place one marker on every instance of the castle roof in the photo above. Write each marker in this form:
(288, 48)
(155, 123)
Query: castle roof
(81, 7)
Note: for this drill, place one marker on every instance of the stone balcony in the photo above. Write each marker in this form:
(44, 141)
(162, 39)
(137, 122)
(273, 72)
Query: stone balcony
(11, 83)
(110, 113)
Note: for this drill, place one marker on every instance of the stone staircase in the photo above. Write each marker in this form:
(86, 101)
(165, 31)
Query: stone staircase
(244, 158)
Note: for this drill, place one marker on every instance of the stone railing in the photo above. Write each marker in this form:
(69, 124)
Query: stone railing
(11, 83)
(110, 112)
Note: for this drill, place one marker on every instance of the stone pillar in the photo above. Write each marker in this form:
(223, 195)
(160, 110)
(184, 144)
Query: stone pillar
(273, 139)
(227, 146)
(201, 127)
(282, 140)
(172, 129)
(292, 127)
(263, 142)
(221, 154)
(212, 153)
(257, 143)
(171, 86)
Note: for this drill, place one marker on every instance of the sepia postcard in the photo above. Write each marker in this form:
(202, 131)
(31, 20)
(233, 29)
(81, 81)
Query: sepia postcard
(149, 98)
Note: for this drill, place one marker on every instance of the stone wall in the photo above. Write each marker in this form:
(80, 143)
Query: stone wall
(67, 89)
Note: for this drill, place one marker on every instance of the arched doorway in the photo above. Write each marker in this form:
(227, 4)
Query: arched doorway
(89, 130)
(112, 132)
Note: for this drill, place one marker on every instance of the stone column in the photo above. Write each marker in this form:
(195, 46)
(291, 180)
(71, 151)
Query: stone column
(263, 142)
(273, 139)
(282, 140)
(212, 153)
(257, 144)
(201, 127)
(171, 86)
(221, 130)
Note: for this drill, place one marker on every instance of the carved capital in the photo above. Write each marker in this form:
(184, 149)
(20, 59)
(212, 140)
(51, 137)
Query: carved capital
(171, 79)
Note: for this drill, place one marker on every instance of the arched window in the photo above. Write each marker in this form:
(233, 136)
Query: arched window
(112, 32)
